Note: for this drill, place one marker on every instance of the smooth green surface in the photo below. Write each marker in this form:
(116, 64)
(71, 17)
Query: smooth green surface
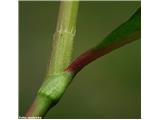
(42, 106)
(107, 88)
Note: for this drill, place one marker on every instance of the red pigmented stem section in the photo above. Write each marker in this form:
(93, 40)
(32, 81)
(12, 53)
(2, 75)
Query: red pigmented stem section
(124, 34)
(94, 53)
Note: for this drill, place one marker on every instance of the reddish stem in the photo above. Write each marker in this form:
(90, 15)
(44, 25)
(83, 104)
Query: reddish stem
(94, 53)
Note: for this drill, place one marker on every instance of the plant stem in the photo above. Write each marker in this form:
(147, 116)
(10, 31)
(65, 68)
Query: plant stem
(59, 75)
(63, 37)
(39, 107)
(124, 34)
(60, 58)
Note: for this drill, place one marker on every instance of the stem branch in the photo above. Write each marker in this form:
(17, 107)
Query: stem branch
(59, 75)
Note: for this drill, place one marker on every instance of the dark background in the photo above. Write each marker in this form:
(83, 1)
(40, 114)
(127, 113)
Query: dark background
(110, 87)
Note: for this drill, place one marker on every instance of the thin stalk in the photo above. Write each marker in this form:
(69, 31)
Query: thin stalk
(129, 31)
(124, 34)
(59, 77)
(60, 58)
(40, 107)
(63, 37)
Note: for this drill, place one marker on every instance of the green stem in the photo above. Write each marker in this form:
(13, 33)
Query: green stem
(63, 37)
(129, 31)
(60, 58)
(59, 75)
(39, 107)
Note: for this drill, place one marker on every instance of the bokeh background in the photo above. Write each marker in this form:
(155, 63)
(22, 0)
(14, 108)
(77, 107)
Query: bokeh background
(110, 87)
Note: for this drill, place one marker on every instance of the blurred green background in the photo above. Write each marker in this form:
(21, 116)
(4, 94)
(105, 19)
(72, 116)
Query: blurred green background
(110, 87)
